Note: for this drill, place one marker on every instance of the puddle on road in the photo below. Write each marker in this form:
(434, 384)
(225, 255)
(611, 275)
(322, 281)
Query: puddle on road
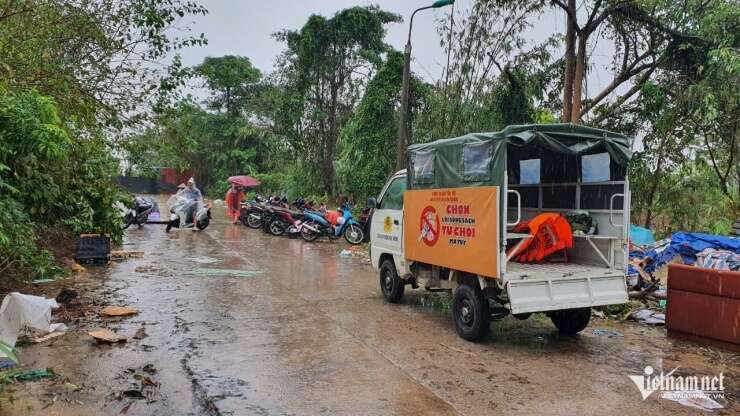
(203, 259)
(221, 272)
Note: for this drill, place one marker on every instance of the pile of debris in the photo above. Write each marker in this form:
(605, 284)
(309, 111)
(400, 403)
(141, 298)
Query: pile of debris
(647, 274)
(701, 250)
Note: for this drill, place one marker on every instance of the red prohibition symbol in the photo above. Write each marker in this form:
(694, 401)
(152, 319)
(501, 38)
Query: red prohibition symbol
(429, 226)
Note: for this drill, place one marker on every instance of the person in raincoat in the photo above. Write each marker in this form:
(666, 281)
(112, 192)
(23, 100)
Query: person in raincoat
(233, 201)
(193, 195)
(191, 191)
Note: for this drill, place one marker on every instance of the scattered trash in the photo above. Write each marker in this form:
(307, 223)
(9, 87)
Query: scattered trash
(141, 385)
(649, 317)
(696, 399)
(39, 281)
(19, 311)
(641, 236)
(72, 387)
(33, 375)
(76, 268)
(45, 338)
(598, 314)
(345, 253)
(609, 333)
(221, 272)
(122, 255)
(134, 394)
(105, 336)
(683, 246)
(711, 258)
(66, 296)
(141, 333)
(118, 311)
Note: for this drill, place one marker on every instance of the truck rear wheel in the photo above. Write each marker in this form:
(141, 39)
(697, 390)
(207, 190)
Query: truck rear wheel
(470, 312)
(571, 321)
(390, 283)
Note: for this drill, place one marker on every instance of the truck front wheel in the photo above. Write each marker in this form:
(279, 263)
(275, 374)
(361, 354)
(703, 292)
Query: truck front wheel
(571, 321)
(470, 312)
(390, 283)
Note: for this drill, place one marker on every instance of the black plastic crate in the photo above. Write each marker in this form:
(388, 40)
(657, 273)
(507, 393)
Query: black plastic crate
(92, 249)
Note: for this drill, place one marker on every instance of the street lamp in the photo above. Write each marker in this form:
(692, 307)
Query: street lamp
(403, 133)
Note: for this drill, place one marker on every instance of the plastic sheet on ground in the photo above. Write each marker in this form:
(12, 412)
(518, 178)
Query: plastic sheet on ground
(649, 317)
(18, 311)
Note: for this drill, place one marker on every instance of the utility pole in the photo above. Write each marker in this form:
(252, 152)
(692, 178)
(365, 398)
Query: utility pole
(403, 129)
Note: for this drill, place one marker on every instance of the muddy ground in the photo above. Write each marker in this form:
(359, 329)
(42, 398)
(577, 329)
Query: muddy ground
(233, 322)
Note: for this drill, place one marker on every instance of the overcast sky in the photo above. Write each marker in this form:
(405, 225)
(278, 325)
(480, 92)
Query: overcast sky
(245, 27)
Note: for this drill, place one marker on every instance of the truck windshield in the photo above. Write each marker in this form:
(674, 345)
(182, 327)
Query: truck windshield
(393, 197)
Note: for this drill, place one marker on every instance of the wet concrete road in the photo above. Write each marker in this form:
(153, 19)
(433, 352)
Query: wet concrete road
(240, 323)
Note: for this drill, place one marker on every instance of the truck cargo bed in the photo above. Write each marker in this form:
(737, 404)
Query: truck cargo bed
(519, 271)
(552, 286)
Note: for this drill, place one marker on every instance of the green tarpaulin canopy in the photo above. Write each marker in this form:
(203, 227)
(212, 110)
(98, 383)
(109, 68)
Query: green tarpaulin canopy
(477, 159)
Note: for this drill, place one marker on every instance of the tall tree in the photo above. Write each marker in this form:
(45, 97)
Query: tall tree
(232, 81)
(101, 60)
(365, 160)
(322, 66)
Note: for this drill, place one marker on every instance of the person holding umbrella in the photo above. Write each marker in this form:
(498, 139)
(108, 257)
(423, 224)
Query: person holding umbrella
(235, 194)
(233, 200)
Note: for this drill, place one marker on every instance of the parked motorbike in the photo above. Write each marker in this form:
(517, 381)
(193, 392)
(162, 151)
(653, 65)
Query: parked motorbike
(188, 213)
(139, 214)
(364, 221)
(317, 225)
(287, 221)
(251, 212)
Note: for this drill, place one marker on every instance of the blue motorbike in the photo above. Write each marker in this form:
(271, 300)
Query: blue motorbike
(316, 225)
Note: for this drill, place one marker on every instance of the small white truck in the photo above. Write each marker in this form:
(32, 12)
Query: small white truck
(446, 225)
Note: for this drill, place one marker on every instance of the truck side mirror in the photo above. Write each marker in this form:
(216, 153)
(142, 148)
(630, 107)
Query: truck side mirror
(372, 203)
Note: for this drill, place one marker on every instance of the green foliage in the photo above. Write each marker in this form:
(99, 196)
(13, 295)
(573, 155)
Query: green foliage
(50, 179)
(232, 80)
(19, 254)
(214, 146)
(94, 57)
(368, 139)
(321, 85)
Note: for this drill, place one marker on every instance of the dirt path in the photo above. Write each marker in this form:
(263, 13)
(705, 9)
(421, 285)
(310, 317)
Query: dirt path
(239, 323)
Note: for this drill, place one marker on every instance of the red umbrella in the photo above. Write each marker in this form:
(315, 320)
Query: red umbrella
(245, 181)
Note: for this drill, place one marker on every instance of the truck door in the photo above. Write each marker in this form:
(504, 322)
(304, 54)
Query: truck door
(387, 225)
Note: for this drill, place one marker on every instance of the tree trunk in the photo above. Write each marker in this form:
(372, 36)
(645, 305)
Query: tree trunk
(575, 116)
(570, 58)
(331, 142)
(656, 181)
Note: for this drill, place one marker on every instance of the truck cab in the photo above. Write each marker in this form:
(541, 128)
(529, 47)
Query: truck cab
(453, 222)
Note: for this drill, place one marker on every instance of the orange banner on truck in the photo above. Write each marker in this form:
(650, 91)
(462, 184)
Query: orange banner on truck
(453, 227)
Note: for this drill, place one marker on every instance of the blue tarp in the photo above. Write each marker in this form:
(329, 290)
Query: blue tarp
(686, 245)
(641, 236)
